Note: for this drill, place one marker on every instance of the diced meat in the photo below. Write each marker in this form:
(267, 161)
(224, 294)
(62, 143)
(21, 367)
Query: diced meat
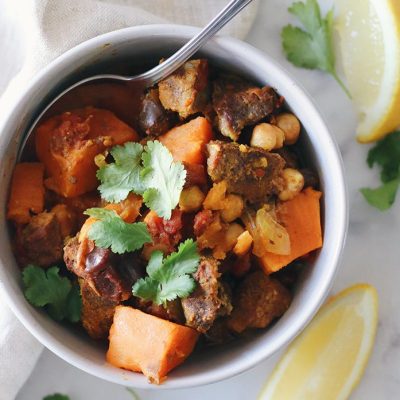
(219, 332)
(154, 119)
(171, 312)
(110, 275)
(257, 301)
(237, 104)
(185, 91)
(166, 234)
(210, 300)
(201, 221)
(251, 172)
(97, 312)
(290, 157)
(71, 249)
(41, 241)
(67, 219)
(195, 175)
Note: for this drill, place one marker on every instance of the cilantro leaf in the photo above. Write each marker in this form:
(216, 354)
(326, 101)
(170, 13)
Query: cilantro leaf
(123, 175)
(382, 197)
(150, 171)
(163, 178)
(46, 288)
(170, 277)
(386, 154)
(56, 396)
(111, 231)
(311, 48)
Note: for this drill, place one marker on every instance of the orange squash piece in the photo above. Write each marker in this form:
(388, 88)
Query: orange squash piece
(187, 142)
(144, 343)
(301, 217)
(27, 192)
(68, 143)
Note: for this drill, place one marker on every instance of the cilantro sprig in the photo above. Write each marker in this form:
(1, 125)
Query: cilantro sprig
(47, 289)
(149, 171)
(169, 278)
(111, 231)
(386, 154)
(312, 47)
(123, 175)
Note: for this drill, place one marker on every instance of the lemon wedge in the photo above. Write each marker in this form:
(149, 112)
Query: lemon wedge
(369, 48)
(327, 360)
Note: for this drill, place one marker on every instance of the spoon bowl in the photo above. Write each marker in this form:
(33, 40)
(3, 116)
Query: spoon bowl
(137, 84)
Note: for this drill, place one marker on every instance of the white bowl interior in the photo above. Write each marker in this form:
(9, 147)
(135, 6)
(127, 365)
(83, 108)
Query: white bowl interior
(149, 43)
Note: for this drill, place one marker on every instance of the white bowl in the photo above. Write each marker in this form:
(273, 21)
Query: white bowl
(151, 43)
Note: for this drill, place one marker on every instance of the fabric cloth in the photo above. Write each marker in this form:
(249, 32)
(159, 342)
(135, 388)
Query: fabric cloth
(34, 32)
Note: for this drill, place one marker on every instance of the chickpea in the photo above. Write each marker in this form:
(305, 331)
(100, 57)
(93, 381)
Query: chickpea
(231, 235)
(233, 208)
(243, 244)
(290, 125)
(191, 199)
(216, 196)
(267, 136)
(294, 182)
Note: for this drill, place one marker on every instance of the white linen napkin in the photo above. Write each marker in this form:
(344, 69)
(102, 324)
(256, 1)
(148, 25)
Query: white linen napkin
(33, 33)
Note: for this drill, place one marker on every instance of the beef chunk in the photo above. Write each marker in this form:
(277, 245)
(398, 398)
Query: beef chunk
(210, 300)
(110, 275)
(41, 241)
(97, 311)
(71, 249)
(219, 333)
(195, 175)
(185, 91)
(171, 312)
(290, 157)
(249, 171)
(257, 301)
(237, 104)
(154, 119)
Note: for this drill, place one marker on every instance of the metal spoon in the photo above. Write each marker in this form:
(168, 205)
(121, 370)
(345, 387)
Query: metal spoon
(161, 71)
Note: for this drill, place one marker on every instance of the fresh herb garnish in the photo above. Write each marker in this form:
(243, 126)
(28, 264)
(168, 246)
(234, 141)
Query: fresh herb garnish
(123, 175)
(163, 179)
(386, 153)
(170, 277)
(149, 171)
(46, 288)
(56, 396)
(312, 47)
(111, 231)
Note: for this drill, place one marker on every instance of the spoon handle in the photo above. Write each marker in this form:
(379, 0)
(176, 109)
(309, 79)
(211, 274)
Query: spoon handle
(161, 71)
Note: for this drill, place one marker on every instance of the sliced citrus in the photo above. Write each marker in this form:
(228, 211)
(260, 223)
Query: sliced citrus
(369, 46)
(328, 358)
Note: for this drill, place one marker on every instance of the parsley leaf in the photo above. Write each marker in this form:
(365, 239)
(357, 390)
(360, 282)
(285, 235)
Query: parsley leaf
(311, 48)
(123, 175)
(112, 231)
(386, 153)
(46, 288)
(56, 396)
(170, 277)
(163, 178)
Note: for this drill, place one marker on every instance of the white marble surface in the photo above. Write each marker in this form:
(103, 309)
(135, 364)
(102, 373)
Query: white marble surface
(372, 255)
